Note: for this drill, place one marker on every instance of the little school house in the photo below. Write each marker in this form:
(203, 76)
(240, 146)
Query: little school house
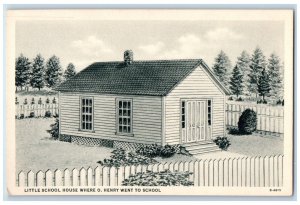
(129, 103)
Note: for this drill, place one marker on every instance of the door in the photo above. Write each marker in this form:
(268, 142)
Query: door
(195, 125)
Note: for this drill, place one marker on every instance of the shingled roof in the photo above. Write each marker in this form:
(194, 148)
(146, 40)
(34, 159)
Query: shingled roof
(156, 78)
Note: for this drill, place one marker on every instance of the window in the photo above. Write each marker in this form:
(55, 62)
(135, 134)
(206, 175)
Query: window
(209, 112)
(124, 119)
(183, 114)
(86, 113)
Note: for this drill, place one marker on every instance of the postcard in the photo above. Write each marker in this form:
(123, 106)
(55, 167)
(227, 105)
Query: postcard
(149, 102)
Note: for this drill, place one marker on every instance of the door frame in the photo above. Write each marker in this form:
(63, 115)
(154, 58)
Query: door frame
(206, 126)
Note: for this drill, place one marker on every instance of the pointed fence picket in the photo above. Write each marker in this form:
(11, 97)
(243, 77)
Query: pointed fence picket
(269, 118)
(232, 172)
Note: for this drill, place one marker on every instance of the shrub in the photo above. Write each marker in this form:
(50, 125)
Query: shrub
(32, 101)
(40, 101)
(162, 178)
(234, 131)
(222, 142)
(167, 151)
(47, 101)
(16, 101)
(264, 102)
(259, 102)
(48, 114)
(25, 101)
(151, 151)
(54, 131)
(121, 158)
(155, 150)
(239, 99)
(22, 116)
(54, 101)
(282, 103)
(230, 98)
(31, 115)
(247, 122)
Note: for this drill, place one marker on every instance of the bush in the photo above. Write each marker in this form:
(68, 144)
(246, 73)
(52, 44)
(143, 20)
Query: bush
(16, 101)
(239, 99)
(151, 151)
(32, 101)
(121, 158)
(222, 142)
(25, 101)
(31, 115)
(155, 150)
(167, 151)
(47, 101)
(40, 101)
(162, 178)
(22, 116)
(259, 102)
(48, 114)
(230, 98)
(247, 122)
(264, 102)
(54, 131)
(282, 103)
(54, 101)
(234, 131)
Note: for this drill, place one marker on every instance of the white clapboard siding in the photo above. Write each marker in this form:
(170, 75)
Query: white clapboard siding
(38, 109)
(147, 117)
(232, 172)
(269, 118)
(197, 85)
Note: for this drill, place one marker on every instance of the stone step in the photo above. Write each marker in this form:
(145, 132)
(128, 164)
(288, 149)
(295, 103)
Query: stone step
(199, 152)
(201, 147)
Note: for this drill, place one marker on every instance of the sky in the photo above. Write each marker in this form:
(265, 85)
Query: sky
(83, 42)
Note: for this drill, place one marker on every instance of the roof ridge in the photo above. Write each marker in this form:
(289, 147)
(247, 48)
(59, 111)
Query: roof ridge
(162, 60)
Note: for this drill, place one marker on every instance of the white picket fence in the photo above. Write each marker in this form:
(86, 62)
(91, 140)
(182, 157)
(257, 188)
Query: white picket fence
(269, 118)
(38, 109)
(233, 172)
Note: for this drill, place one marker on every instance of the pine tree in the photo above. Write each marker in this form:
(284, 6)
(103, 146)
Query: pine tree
(22, 69)
(222, 67)
(275, 76)
(257, 65)
(263, 84)
(38, 73)
(236, 82)
(53, 72)
(243, 63)
(70, 71)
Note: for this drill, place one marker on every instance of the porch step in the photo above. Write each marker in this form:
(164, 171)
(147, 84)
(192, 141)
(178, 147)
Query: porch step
(201, 147)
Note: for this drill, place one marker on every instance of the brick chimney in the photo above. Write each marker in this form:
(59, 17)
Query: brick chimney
(128, 57)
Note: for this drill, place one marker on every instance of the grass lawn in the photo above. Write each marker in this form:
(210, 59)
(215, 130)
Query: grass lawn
(36, 151)
(254, 145)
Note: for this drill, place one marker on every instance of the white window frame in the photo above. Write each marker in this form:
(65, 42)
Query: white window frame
(118, 132)
(81, 114)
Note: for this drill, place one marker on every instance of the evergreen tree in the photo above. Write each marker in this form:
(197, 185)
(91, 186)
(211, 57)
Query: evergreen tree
(236, 82)
(243, 63)
(222, 67)
(53, 72)
(38, 73)
(22, 70)
(257, 65)
(263, 84)
(274, 72)
(70, 71)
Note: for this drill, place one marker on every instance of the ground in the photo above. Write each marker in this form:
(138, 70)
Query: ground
(36, 151)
